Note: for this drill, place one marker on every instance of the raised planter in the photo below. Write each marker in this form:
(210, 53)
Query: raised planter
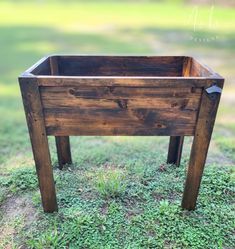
(172, 96)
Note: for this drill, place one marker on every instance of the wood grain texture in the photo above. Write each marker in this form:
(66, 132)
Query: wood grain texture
(115, 81)
(118, 122)
(187, 62)
(38, 137)
(198, 70)
(192, 68)
(120, 110)
(62, 143)
(63, 151)
(160, 103)
(204, 128)
(102, 130)
(120, 65)
(175, 150)
(112, 92)
(54, 67)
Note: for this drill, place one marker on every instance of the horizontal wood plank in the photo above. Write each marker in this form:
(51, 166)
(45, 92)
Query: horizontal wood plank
(67, 93)
(96, 121)
(75, 130)
(118, 116)
(166, 82)
(125, 103)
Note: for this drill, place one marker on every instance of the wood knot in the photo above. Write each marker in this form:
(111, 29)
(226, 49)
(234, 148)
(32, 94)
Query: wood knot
(146, 116)
(184, 104)
(72, 91)
(122, 103)
(174, 104)
(193, 89)
(140, 114)
(111, 89)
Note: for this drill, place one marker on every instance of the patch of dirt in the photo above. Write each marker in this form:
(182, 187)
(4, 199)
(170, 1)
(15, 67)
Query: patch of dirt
(19, 206)
(157, 196)
(104, 209)
(162, 167)
(13, 207)
(110, 166)
(87, 194)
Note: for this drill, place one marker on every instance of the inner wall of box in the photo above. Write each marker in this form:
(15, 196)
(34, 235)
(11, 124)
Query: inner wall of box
(121, 66)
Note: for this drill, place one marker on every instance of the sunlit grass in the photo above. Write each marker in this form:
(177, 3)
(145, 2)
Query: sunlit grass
(119, 14)
(9, 90)
(109, 182)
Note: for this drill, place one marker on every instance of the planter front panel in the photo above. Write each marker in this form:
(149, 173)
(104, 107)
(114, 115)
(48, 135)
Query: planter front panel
(111, 110)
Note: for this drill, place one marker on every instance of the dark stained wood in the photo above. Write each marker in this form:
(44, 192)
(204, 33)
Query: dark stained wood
(120, 65)
(54, 65)
(119, 95)
(66, 101)
(63, 151)
(175, 150)
(198, 70)
(176, 142)
(107, 110)
(62, 143)
(162, 82)
(192, 68)
(86, 130)
(71, 93)
(42, 68)
(37, 132)
(97, 120)
(204, 128)
(119, 116)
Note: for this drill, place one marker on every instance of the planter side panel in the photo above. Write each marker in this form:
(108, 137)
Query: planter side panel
(120, 110)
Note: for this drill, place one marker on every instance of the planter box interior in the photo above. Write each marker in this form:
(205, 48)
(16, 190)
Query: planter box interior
(161, 66)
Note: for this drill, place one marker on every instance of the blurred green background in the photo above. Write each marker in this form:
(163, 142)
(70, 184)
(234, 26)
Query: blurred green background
(30, 30)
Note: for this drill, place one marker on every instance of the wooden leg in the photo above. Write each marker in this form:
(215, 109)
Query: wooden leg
(63, 151)
(39, 142)
(175, 150)
(204, 128)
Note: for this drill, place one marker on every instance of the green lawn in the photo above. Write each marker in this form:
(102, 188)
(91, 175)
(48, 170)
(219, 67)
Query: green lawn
(119, 193)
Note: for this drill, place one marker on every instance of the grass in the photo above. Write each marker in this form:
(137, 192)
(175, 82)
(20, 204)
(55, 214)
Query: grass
(119, 193)
(145, 215)
(110, 183)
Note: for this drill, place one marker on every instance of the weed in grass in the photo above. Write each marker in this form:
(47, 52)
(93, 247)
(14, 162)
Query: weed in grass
(110, 183)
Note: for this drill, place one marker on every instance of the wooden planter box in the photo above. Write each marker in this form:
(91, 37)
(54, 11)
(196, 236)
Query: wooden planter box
(172, 96)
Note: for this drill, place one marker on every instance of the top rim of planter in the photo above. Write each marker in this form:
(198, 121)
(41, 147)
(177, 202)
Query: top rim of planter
(121, 70)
